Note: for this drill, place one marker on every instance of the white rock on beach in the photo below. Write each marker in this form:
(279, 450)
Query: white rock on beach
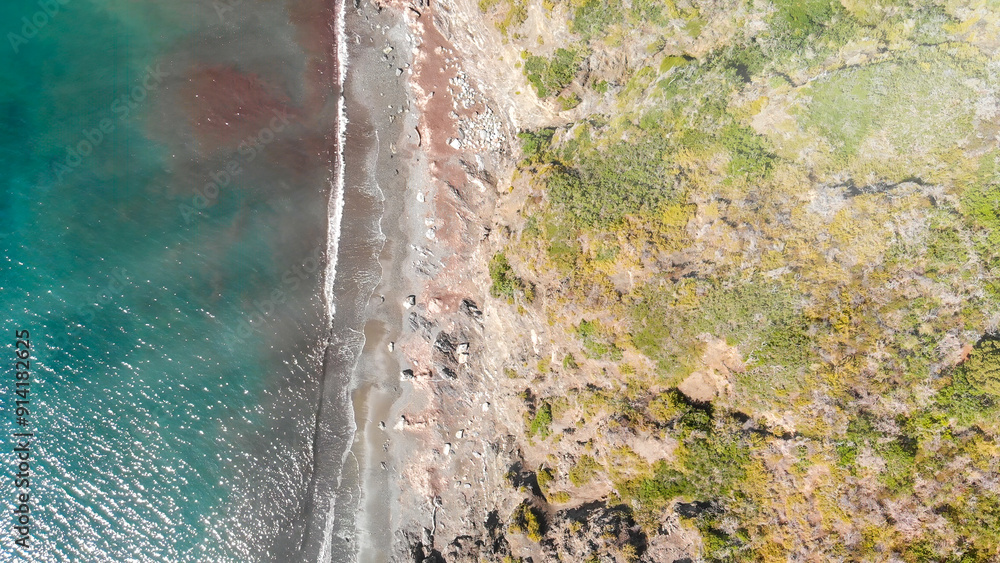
(459, 434)
(391, 346)
(447, 449)
(434, 307)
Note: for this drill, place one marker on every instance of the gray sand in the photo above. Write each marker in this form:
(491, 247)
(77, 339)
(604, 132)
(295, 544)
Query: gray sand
(375, 90)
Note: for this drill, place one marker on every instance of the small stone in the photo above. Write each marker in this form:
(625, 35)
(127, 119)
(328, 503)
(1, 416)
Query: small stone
(391, 346)
(454, 143)
(467, 486)
(420, 197)
(462, 347)
(426, 537)
(381, 425)
(435, 306)
(486, 407)
(463, 358)
(459, 434)
(399, 71)
(447, 449)
(406, 374)
(410, 301)
(387, 50)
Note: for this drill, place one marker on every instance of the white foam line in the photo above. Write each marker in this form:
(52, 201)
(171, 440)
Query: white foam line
(335, 210)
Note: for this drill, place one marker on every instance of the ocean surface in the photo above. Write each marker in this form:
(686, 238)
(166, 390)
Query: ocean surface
(167, 231)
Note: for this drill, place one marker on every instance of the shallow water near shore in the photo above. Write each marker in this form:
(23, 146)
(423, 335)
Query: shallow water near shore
(169, 173)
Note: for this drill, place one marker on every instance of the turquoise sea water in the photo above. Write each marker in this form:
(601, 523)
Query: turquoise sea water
(176, 341)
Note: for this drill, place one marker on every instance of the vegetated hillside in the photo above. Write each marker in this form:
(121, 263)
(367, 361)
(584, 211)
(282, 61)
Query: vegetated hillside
(769, 232)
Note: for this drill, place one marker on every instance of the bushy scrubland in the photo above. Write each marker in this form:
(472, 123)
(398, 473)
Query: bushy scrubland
(821, 191)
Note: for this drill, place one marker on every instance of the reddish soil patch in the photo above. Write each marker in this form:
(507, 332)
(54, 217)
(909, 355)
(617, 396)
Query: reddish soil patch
(436, 103)
(432, 78)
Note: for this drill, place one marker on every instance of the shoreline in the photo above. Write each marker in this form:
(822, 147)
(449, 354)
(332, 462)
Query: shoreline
(381, 68)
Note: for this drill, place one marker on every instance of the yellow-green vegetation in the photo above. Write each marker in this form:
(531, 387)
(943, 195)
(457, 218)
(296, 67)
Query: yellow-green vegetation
(540, 423)
(527, 520)
(507, 14)
(586, 468)
(560, 497)
(819, 191)
(506, 283)
(549, 77)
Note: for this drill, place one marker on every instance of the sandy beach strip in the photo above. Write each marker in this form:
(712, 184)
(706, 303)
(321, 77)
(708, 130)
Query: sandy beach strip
(380, 48)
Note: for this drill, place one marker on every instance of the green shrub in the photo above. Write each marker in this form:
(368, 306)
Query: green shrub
(794, 20)
(899, 452)
(624, 180)
(586, 468)
(544, 476)
(535, 143)
(569, 362)
(549, 77)
(982, 369)
(787, 344)
(595, 343)
(505, 282)
(648, 11)
(981, 207)
(560, 497)
(528, 521)
(750, 154)
(541, 423)
(900, 461)
(513, 13)
(946, 253)
(710, 464)
(594, 17)
(569, 101)
(673, 61)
